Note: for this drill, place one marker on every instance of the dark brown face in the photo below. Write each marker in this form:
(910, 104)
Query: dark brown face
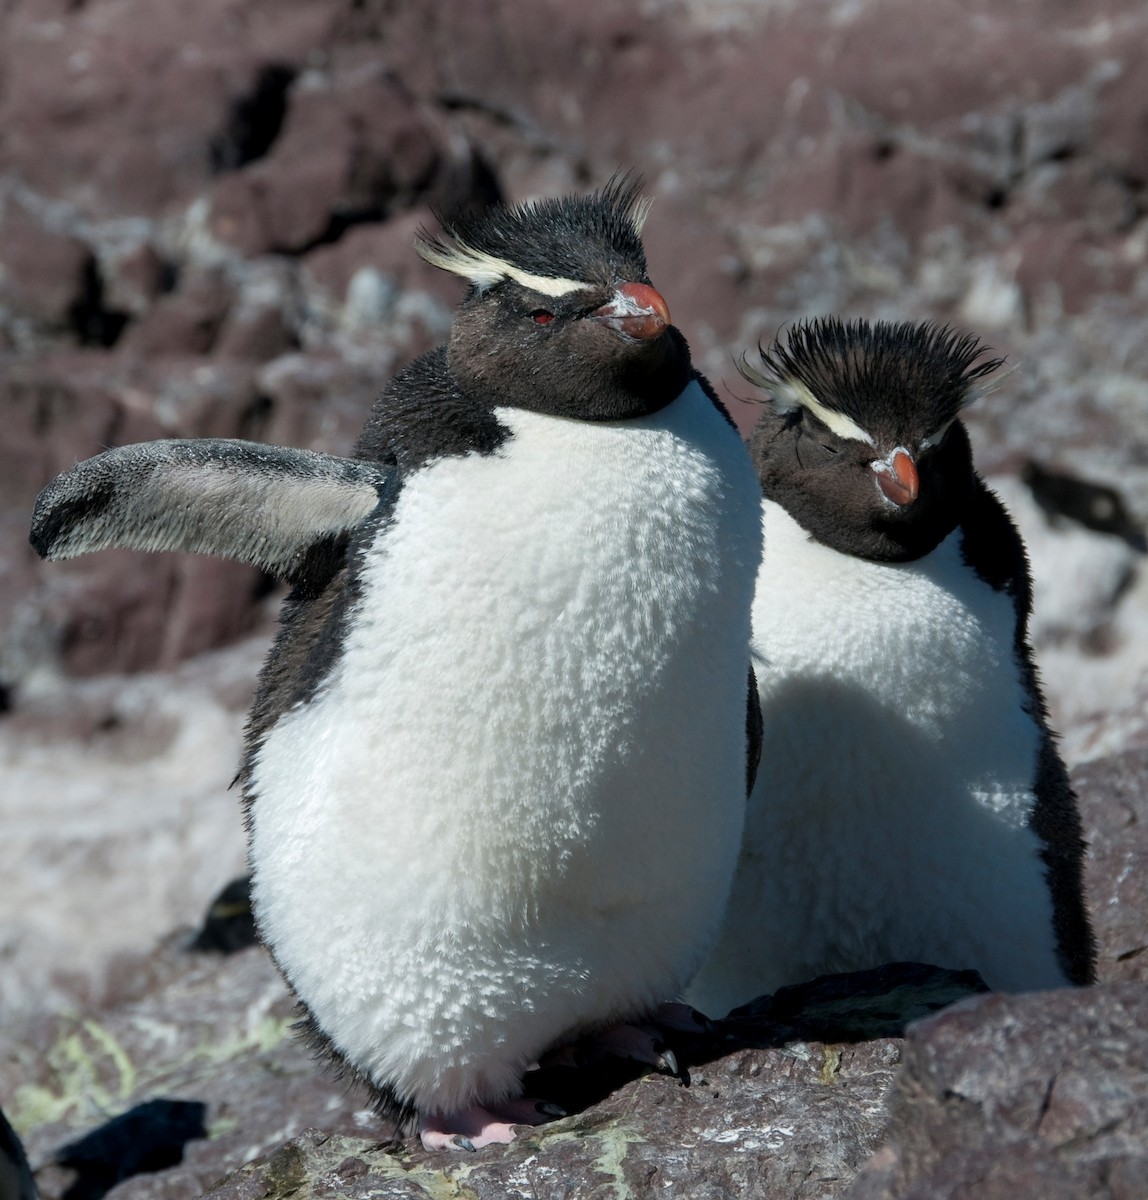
(598, 353)
(892, 501)
(860, 439)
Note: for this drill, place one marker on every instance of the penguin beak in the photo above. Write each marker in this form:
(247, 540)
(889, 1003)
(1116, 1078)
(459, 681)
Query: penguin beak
(897, 477)
(636, 311)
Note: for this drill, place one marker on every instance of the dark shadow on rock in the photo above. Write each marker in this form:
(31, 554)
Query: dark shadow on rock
(148, 1138)
(857, 1006)
(255, 120)
(92, 321)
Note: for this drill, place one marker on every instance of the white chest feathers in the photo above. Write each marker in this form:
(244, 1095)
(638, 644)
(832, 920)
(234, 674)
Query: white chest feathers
(890, 818)
(514, 808)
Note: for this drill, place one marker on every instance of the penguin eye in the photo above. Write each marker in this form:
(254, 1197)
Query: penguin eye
(540, 316)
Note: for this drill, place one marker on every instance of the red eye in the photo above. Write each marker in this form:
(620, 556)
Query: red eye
(542, 317)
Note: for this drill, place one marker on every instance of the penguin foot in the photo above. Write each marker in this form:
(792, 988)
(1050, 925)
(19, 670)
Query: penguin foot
(682, 1018)
(639, 1043)
(476, 1127)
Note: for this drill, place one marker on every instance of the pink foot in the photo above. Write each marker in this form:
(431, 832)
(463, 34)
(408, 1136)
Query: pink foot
(476, 1127)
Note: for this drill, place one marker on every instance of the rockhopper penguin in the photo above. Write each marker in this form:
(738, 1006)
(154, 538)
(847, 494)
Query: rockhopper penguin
(910, 803)
(496, 766)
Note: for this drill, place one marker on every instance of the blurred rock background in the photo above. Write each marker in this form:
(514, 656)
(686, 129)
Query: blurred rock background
(205, 221)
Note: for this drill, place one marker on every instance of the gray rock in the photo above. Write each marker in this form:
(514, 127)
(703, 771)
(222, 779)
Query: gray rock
(1114, 809)
(764, 1111)
(1020, 1096)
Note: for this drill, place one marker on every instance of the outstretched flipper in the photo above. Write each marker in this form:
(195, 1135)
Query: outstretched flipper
(289, 512)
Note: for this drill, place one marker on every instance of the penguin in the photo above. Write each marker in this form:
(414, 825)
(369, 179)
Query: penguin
(229, 924)
(1095, 506)
(495, 770)
(911, 804)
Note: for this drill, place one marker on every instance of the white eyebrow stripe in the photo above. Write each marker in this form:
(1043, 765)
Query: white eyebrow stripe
(840, 424)
(485, 270)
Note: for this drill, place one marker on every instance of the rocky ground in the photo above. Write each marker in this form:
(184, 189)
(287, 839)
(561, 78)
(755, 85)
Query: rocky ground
(206, 214)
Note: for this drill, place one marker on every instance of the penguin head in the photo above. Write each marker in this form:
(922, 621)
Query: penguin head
(561, 316)
(861, 440)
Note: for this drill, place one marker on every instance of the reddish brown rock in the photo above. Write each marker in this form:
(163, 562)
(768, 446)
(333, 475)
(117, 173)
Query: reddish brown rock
(350, 151)
(43, 275)
(185, 322)
(131, 98)
(256, 332)
(319, 401)
(386, 248)
(136, 275)
(974, 162)
(114, 611)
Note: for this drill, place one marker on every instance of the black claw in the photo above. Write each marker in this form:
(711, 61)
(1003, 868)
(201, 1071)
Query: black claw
(464, 1143)
(546, 1109)
(668, 1063)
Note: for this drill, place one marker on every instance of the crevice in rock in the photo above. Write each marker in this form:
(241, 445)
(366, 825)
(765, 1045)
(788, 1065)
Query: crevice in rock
(169, 273)
(504, 118)
(89, 319)
(254, 419)
(255, 121)
(111, 434)
(485, 187)
(996, 198)
(1045, 1104)
(339, 221)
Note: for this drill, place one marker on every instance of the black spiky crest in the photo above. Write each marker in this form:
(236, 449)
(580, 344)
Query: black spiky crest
(893, 373)
(592, 238)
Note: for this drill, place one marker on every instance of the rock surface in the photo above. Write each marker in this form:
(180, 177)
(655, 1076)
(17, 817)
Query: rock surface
(216, 1031)
(218, 244)
(1021, 1096)
(791, 1097)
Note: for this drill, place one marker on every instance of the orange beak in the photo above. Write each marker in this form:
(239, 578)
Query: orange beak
(636, 310)
(897, 477)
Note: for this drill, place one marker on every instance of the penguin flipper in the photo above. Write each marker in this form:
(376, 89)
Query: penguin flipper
(289, 512)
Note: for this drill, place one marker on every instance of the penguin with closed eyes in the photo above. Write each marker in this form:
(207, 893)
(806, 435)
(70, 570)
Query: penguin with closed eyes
(910, 804)
(495, 771)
